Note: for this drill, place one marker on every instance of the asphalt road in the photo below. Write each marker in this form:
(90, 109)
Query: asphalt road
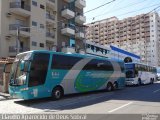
(131, 100)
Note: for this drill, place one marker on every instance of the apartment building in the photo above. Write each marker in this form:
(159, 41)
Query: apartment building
(139, 35)
(70, 22)
(40, 25)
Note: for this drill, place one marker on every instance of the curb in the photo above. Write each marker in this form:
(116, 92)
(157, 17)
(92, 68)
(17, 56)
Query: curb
(4, 95)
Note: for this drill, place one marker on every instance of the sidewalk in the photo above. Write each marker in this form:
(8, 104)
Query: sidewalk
(5, 95)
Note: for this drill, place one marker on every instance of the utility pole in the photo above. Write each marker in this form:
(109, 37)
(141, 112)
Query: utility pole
(17, 40)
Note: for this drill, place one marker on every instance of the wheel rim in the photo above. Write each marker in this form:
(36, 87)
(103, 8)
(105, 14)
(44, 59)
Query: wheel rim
(57, 94)
(109, 88)
(115, 86)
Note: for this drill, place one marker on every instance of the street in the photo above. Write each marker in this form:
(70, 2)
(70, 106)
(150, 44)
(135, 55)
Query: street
(131, 100)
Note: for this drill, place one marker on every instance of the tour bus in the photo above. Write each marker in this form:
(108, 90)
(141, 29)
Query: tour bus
(138, 74)
(39, 74)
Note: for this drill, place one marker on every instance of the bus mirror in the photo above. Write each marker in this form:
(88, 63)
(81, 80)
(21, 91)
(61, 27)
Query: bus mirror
(22, 65)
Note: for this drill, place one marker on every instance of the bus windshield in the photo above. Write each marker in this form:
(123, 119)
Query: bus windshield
(130, 70)
(129, 74)
(18, 77)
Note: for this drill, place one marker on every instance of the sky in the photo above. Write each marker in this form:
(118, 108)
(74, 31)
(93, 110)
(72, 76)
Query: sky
(119, 8)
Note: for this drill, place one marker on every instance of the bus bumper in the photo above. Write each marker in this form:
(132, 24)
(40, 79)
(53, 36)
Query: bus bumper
(18, 94)
(129, 83)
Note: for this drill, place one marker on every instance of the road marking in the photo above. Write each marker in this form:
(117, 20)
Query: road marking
(120, 107)
(82, 100)
(156, 91)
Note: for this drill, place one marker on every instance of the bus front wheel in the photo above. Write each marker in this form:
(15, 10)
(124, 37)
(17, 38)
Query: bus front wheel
(57, 93)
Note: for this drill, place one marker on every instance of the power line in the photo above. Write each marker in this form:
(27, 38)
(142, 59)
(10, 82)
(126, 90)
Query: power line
(121, 8)
(99, 6)
(112, 6)
(138, 10)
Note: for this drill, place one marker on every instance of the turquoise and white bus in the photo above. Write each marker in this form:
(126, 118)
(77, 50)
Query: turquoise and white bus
(39, 74)
(138, 74)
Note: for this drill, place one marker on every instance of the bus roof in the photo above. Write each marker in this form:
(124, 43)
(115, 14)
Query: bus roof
(71, 54)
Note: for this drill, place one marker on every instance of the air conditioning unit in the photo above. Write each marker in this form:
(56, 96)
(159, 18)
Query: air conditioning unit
(8, 14)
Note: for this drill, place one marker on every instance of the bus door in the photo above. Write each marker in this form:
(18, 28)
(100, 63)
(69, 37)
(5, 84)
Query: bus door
(38, 74)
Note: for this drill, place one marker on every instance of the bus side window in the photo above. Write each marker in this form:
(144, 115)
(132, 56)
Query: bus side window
(39, 68)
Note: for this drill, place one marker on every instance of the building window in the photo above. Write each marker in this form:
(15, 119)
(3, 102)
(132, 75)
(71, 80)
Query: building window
(41, 45)
(34, 23)
(42, 26)
(34, 43)
(34, 3)
(42, 6)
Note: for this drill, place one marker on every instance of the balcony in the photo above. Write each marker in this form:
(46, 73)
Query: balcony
(80, 35)
(18, 8)
(50, 36)
(67, 13)
(80, 19)
(50, 18)
(68, 31)
(68, 50)
(13, 50)
(80, 4)
(24, 30)
(51, 3)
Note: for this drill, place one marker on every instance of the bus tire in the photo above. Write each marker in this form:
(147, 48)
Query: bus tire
(152, 80)
(109, 87)
(57, 93)
(139, 82)
(115, 85)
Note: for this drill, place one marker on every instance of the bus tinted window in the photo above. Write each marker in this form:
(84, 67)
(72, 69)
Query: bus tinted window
(98, 65)
(64, 62)
(129, 74)
(39, 68)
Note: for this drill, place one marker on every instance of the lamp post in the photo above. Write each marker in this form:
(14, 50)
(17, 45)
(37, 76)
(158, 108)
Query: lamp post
(84, 40)
(17, 40)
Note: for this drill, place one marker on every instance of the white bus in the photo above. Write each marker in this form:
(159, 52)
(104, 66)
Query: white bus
(138, 74)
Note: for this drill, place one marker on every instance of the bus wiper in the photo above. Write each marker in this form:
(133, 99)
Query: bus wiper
(14, 85)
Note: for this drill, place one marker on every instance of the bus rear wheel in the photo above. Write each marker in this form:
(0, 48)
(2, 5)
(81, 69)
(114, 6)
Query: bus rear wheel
(139, 82)
(151, 80)
(115, 85)
(109, 87)
(57, 93)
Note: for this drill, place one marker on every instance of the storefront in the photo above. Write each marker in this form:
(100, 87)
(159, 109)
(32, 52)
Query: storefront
(4, 74)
